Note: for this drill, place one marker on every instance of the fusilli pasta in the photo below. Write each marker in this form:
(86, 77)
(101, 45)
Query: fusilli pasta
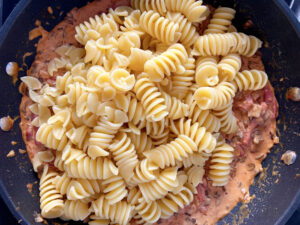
(159, 27)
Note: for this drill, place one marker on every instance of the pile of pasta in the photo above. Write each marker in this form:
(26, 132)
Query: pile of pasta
(139, 112)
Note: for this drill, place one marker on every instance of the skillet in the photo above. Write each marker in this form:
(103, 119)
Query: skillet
(273, 23)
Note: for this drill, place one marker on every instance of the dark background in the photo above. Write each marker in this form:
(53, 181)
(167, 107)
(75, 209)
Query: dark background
(6, 6)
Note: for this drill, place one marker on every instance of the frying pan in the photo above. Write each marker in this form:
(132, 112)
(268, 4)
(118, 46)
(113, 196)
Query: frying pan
(274, 202)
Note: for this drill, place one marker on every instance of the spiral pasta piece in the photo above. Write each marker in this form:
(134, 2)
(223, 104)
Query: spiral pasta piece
(148, 212)
(212, 97)
(87, 168)
(161, 139)
(62, 183)
(157, 128)
(134, 195)
(136, 115)
(151, 98)
(205, 141)
(229, 123)
(206, 71)
(118, 213)
(58, 162)
(204, 117)
(147, 5)
(101, 138)
(99, 25)
(122, 80)
(196, 159)
(52, 204)
(138, 58)
(144, 172)
(181, 82)
(224, 44)
(132, 23)
(75, 210)
(171, 60)
(141, 142)
(158, 188)
(250, 80)
(188, 31)
(176, 108)
(220, 21)
(114, 189)
(195, 175)
(171, 203)
(166, 155)
(219, 168)
(159, 27)
(245, 45)
(125, 155)
(45, 135)
(193, 10)
(82, 188)
(229, 66)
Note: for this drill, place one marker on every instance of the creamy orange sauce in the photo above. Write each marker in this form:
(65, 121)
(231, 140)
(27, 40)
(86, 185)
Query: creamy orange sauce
(211, 203)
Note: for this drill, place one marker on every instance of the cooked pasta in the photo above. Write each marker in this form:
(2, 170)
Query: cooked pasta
(132, 23)
(101, 137)
(229, 66)
(82, 188)
(176, 108)
(196, 159)
(122, 80)
(220, 21)
(151, 98)
(144, 172)
(229, 123)
(166, 155)
(87, 168)
(147, 5)
(219, 168)
(138, 58)
(171, 203)
(52, 204)
(204, 117)
(161, 138)
(133, 196)
(181, 82)
(75, 210)
(159, 27)
(125, 155)
(205, 141)
(45, 135)
(120, 212)
(136, 122)
(114, 189)
(206, 71)
(193, 10)
(195, 175)
(188, 31)
(223, 44)
(250, 80)
(212, 97)
(142, 142)
(61, 183)
(158, 188)
(148, 212)
(171, 60)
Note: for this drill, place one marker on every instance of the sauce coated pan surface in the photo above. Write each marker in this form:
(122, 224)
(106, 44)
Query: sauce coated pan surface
(273, 23)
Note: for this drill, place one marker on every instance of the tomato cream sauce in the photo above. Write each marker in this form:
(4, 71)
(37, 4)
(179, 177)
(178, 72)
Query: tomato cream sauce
(256, 113)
